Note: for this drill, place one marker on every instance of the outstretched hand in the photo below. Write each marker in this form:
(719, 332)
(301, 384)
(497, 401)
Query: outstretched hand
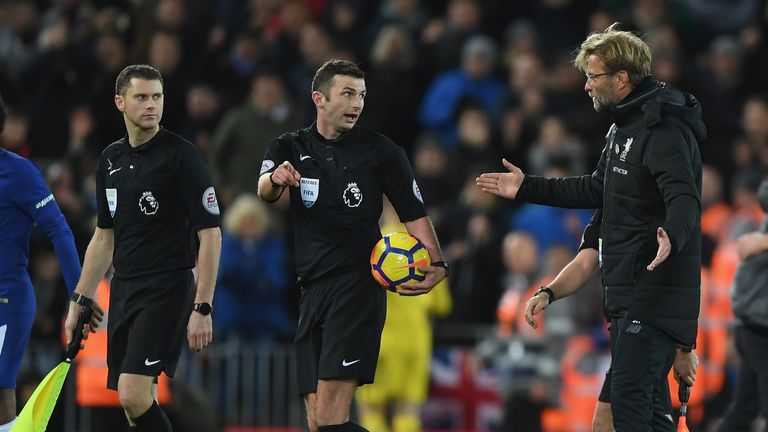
(665, 246)
(503, 184)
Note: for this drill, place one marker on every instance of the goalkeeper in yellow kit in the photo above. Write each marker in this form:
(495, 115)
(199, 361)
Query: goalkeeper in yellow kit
(402, 372)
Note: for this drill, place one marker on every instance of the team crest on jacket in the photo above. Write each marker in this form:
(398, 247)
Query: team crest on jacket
(310, 189)
(148, 204)
(625, 152)
(352, 195)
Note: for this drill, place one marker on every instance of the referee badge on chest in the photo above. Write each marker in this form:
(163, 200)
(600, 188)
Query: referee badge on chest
(353, 196)
(148, 204)
(310, 189)
(111, 200)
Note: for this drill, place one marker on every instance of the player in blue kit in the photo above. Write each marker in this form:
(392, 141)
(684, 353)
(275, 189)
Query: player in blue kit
(25, 199)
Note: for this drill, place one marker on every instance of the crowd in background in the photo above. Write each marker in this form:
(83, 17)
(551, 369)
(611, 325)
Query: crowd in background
(458, 83)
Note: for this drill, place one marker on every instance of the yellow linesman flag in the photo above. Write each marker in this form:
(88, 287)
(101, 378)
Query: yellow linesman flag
(36, 413)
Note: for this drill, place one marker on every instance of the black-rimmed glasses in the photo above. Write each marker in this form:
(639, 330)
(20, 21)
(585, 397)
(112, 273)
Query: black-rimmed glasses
(593, 78)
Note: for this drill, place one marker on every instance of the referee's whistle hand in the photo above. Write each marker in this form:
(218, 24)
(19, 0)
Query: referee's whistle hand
(432, 276)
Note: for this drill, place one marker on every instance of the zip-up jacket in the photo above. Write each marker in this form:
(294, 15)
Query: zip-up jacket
(648, 176)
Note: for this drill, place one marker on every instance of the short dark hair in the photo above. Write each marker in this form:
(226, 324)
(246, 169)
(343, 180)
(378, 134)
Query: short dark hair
(3, 114)
(323, 80)
(142, 71)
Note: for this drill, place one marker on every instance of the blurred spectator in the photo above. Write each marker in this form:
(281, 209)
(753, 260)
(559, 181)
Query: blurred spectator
(252, 277)
(554, 146)
(474, 82)
(108, 125)
(18, 25)
(551, 226)
(15, 137)
(203, 115)
(444, 38)
(471, 233)
(721, 93)
(715, 211)
(316, 47)
(56, 79)
(344, 21)
(394, 92)
(241, 139)
(431, 166)
(751, 150)
(476, 145)
(407, 14)
(165, 53)
(749, 305)
(284, 33)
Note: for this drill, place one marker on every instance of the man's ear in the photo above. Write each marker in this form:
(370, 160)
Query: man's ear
(120, 103)
(623, 78)
(319, 99)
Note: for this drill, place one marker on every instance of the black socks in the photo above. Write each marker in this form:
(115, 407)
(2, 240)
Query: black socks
(153, 420)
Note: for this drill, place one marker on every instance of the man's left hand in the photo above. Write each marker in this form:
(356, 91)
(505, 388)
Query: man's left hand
(199, 331)
(665, 246)
(432, 276)
(685, 366)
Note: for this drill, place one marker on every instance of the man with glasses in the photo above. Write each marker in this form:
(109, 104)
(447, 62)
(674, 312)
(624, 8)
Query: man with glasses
(648, 185)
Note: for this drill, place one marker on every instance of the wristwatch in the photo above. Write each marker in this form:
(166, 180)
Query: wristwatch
(442, 264)
(548, 291)
(202, 308)
(82, 300)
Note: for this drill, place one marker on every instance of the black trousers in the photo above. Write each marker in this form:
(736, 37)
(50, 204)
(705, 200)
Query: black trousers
(641, 356)
(751, 393)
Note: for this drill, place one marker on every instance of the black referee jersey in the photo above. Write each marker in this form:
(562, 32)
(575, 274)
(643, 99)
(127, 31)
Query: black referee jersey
(337, 207)
(155, 197)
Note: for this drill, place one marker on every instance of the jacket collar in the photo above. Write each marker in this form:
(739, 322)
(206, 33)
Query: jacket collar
(631, 105)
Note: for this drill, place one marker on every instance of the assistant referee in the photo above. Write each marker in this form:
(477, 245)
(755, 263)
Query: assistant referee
(154, 194)
(338, 173)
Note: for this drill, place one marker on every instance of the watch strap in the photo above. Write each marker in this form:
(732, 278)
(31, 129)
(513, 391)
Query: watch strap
(549, 292)
(442, 264)
(82, 300)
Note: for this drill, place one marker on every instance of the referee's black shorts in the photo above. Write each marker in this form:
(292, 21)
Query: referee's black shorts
(147, 323)
(339, 331)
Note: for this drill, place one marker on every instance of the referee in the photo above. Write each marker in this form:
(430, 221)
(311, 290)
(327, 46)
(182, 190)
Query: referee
(338, 173)
(154, 194)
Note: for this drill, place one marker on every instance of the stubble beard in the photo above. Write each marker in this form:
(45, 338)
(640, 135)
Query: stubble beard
(605, 103)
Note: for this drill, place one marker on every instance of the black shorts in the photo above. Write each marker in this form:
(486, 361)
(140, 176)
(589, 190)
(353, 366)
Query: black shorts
(147, 324)
(339, 331)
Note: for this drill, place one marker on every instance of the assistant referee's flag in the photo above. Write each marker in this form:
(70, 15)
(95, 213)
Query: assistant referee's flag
(37, 412)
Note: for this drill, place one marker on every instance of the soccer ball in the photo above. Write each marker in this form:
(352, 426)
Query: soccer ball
(394, 260)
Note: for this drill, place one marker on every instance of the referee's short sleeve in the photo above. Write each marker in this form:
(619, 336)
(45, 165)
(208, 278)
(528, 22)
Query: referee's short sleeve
(197, 191)
(103, 217)
(591, 237)
(399, 182)
(276, 153)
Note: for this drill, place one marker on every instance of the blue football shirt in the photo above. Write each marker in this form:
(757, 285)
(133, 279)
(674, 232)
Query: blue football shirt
(25, 200)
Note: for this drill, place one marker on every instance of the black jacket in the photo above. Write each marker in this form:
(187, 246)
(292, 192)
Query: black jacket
(648, 176)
